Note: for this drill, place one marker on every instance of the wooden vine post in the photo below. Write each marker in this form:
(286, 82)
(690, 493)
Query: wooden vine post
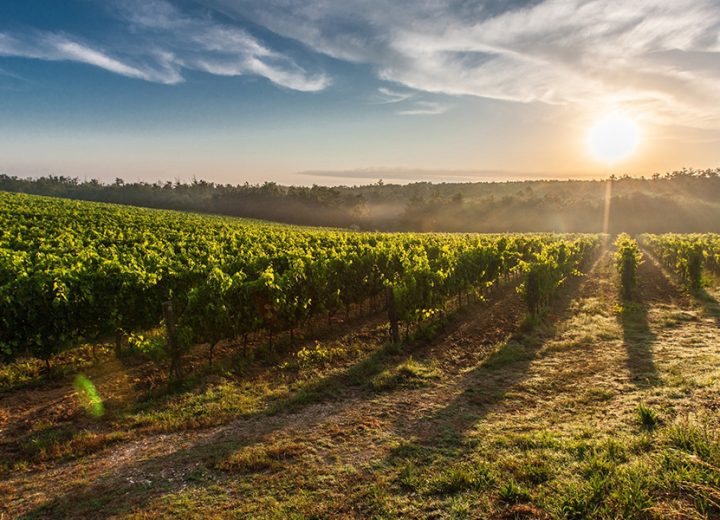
(392, 314)
(118, 343)
(173, 347)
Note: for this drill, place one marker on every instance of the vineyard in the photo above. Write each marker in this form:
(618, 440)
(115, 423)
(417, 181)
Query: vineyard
(686, 255)
(77, 272)
(327, 373)
(627, 259)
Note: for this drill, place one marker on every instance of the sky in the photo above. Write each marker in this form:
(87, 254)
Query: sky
(349, 92)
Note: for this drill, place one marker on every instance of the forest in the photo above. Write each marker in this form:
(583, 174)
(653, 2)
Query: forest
(680, 201)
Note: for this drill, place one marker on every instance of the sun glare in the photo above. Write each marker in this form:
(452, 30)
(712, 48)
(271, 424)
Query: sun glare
(613, 138)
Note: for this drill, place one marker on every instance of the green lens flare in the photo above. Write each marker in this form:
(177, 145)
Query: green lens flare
(89, 394)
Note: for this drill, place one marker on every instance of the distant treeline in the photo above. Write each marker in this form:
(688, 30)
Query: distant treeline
(680, 201)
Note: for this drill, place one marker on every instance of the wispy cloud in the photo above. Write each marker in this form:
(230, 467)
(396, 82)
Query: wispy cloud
(11, 75)
(59, 47)
(10, 81)
(424, 108)
(165, 43)
(201, 43)
(409, 103)
(70, 50)
(389, 96)
(659, 57)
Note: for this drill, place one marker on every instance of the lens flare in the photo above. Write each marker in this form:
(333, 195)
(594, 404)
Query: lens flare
(89, 396)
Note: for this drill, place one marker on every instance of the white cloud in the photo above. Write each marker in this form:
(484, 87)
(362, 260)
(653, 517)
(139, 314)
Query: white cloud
(389, 96)
(70, 50)
(424, 108)
(657, 56)
(409, 103)
(58, 47)
(202, 43)
(165, 42)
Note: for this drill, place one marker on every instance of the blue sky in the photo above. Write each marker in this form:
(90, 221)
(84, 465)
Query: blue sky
(348, 92)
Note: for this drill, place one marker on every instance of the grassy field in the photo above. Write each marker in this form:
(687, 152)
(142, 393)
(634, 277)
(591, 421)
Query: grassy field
(599, 410)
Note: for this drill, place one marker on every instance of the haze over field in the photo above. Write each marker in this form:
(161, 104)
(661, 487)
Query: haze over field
(680, 201)
(350, 92)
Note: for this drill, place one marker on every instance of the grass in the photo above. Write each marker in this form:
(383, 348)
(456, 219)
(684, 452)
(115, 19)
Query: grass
(579, 477)
(464, 476)
(511, 493)
(258, 458)
(62, 443)
(30, 372)
(649, 418)
(408, 374)
(215, 405)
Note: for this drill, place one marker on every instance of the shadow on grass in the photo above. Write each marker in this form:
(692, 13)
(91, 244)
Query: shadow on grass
(485, 387)
(436, 445)
(710, 305)
(638, 340)
(654, 287)
(358, 379)
(120, 493)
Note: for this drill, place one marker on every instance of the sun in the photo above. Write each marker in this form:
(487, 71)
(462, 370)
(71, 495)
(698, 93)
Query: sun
(613, 138)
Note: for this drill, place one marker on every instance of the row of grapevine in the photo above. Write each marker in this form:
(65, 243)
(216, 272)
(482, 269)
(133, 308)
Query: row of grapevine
(711, 248)
(686, 255)
(550, 268)
(627, 259)
(77, 271)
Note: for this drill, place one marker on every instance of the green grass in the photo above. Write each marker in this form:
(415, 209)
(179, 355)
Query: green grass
(511, 493)
(576, 476)
(216, 405)
(259, 458)
(30, 373)
(63, 443)
(649, 418)
(508, 353)
(408, 374)
(464, 476)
